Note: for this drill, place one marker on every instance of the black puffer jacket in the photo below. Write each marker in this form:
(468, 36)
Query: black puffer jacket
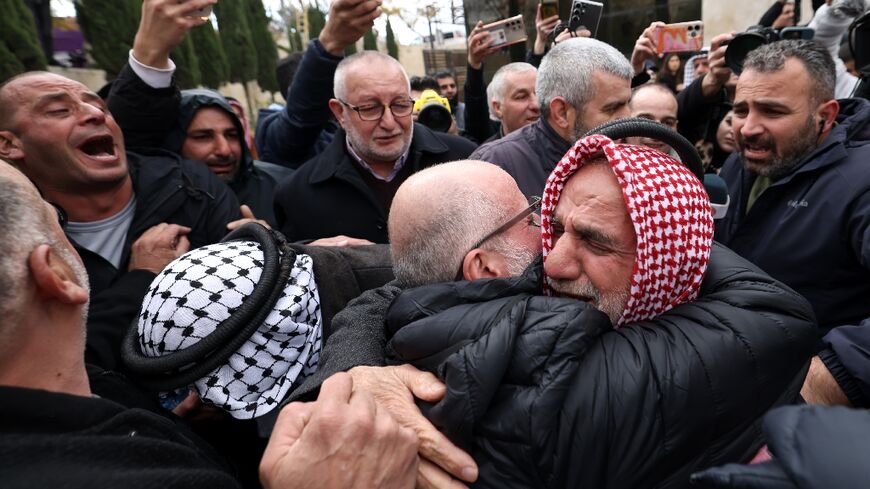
(543, 393)
(812, 447)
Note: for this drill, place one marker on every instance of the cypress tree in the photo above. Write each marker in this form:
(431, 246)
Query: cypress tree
(187, 74)
(267, 51)
(213, 65)
(9, 64)
(316, 21)
(370, 42)
(236, 40)
(109, 26)
(297, 41)
(392, 47)
(350, 50)
(22, 51)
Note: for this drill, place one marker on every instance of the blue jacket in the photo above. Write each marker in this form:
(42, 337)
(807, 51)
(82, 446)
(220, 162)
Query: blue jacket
(304, 128)
(811, 230)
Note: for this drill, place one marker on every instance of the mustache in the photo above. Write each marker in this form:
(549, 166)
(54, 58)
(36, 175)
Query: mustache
(584, 290)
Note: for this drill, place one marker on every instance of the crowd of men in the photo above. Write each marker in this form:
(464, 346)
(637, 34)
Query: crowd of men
(371, 302)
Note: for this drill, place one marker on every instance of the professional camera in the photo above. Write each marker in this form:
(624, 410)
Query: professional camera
(433, 111)
(754, 37)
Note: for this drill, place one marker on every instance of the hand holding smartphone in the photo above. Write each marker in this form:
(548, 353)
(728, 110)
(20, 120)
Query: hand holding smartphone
(684, 36)
(585, 13)
(507, 31)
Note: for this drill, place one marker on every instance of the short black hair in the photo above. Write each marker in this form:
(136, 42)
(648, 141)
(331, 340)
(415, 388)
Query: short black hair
(444, 74)
(421, 83)
(814, 57)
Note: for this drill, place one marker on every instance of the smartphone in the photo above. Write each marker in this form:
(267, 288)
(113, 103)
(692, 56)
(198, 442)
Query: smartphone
(507, 31)
(200, 12)
(549, 8)
(684, 36)
(586, 13)
(805, 33)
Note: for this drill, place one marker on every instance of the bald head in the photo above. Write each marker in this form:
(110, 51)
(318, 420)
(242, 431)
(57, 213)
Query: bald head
(439, 213)
(10, 94)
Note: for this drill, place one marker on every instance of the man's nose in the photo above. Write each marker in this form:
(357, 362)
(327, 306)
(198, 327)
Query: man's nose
(535, 106)
(222, 146)
(92, 114)
(751, 126)
(560, 264)
(388, 120)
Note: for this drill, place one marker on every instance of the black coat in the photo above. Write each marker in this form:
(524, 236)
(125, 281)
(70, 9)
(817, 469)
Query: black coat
(543, 393)
(813, 447)
(327, 196)
(49, 439)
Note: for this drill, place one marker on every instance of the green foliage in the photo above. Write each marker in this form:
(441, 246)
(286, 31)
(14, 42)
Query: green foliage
(187, 73)
(370, 42)
(235, 35)
(316, 21)
(392, 47)
(109, 26)
(212, 61)
(264, 45)
(350, 50)
(298, 45)
(20, 50)
(9, 64)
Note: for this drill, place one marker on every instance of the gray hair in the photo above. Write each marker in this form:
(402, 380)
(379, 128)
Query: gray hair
(815, 58)
(22, 228)
(339, 87)
(496, 88)
(566, 71)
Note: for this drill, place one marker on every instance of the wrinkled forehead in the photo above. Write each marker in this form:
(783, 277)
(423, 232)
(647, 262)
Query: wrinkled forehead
(30, 87)
(595, 181)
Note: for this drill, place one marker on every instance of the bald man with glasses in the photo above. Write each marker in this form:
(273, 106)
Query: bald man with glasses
(347, 190)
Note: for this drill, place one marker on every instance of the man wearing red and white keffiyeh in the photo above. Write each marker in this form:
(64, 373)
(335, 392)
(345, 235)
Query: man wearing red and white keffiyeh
(626, 228)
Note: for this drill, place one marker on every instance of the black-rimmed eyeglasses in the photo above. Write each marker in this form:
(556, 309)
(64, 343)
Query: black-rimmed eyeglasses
(399, 108)
(529, 212)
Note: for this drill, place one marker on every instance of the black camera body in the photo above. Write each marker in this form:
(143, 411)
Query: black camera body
(754, 37)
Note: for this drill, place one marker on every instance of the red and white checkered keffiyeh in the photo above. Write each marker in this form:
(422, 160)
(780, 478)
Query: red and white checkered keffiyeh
(671, 214)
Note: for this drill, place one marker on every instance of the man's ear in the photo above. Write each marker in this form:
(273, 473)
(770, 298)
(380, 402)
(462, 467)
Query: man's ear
(10, 147)
(480, 264)
(827, 114)
(496, 108)
(337, 110)
(562, 115)
(54, 278)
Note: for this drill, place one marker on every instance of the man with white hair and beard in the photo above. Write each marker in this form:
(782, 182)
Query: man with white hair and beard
(535, 383)
(348, 188)
(801, 197)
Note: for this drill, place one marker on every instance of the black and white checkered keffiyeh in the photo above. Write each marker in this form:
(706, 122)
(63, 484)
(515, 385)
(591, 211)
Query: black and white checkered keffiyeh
(196, 292)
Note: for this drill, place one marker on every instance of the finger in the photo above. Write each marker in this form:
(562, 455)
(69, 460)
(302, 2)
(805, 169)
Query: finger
(336, 390)
(246, 212)
(435, 447)
(177, 229)
(430, 476)
(183, 246)
(238, 223)
(424, 385)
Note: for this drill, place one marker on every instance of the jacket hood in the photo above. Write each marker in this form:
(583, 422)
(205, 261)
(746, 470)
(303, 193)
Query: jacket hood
(193, 100)
(854, 116)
